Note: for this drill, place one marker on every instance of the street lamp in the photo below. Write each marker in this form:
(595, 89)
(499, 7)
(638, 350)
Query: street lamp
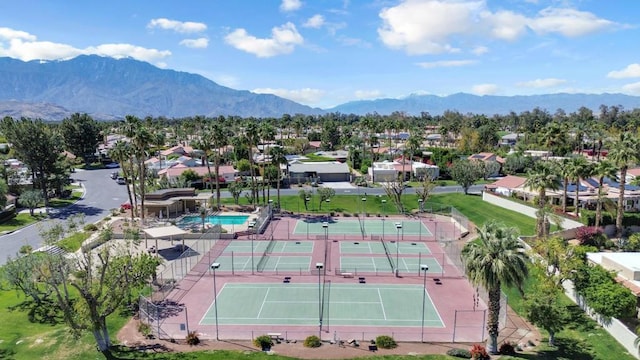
(270, 208)
(328, 201)
(424, 269)
(251, 237)
(420, 205)
(215, 266)
(319, 267)
(398, 228)
(384, 202)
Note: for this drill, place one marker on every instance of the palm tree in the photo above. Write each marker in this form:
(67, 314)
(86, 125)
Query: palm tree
(277, 159)
(251, 140)
(623, 153)
(563, 169)
(219, 139)
(541, 178)
(497, 259)
(267, 135)
(604, 168)
(123, 154)
(579, 168)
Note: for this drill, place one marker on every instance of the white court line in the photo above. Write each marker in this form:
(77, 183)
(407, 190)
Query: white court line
(406, 266)
(369, 246)
(278, 262)
(382, 305)
(210, 306)
(434, 308)
(263, 302)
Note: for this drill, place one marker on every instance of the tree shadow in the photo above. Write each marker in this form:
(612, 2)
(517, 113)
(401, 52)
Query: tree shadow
(45, 312)
(118, 352)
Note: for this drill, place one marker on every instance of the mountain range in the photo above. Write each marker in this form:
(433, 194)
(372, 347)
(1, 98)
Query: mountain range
(108, 89)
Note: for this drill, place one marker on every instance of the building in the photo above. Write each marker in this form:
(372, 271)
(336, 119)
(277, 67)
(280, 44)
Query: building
(326, 171)
(174, 202)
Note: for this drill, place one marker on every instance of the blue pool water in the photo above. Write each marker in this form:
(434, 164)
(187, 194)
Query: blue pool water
(215, 220)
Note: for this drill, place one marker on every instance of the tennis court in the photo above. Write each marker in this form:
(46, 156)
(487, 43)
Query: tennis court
(376, 247)
(270, 263)
(360, 264)
(387, 227)
(338, 304)
(259, 247)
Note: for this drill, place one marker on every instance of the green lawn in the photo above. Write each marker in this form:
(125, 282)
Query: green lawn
(73, 242)
(21, 220)
(583, 338)
(58, 203)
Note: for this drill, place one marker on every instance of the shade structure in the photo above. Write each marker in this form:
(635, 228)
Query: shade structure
(164, 231)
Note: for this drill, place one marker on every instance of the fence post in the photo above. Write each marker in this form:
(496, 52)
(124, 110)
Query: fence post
(455, 320)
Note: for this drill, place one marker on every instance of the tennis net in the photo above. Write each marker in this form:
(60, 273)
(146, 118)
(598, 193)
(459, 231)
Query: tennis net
(386, 251)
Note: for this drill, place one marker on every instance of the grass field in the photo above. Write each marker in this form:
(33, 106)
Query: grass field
(21, 220)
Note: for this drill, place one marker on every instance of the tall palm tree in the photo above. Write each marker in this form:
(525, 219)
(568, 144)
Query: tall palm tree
(497, 259)
(251, 140)
(541, 178)
(219, 140)
(604, 168)
(579, 168)
(277, 159)
(267, 135)
(623, 153)
(563, 169)
(123, 154)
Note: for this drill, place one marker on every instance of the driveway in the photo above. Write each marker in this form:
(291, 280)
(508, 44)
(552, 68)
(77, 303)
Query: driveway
(338, 185)
(101, 194)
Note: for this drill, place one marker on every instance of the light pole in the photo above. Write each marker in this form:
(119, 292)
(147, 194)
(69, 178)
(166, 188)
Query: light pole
(214, 266)
(328, 201)
(251, 237)
(384, 202)
(319, 267)
(420, 205)
(270, 208)
(398, 228)
(306, 201)
(424, 269)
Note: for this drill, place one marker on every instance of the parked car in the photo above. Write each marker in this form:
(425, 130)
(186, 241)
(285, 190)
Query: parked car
(120, 180)
(114, 175)
(112, 165)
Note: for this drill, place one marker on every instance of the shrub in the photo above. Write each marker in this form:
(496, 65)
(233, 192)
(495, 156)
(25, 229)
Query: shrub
(145, 329)
(507, 348)
(478, 352)
(90, 227)
(264, 342)
(192, 338)
(312, 342)
(459, 353)
(386, 342)
(589, 235)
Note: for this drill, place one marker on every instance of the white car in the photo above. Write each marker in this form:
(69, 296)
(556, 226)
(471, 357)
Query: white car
(112, 165)
(120, 180)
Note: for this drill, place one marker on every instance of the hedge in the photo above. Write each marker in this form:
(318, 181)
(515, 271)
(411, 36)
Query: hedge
(588, 218)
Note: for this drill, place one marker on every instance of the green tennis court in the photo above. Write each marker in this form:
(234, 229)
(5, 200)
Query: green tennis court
(375, 247)
(385, 227)
(273, 263)
(383, 264)
(284, 247)
(344, 304)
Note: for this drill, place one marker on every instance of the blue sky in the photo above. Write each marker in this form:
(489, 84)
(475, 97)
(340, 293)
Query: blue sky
(326, 52)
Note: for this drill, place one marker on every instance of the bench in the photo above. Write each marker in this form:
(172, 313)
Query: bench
(347, 275)
(275, 337)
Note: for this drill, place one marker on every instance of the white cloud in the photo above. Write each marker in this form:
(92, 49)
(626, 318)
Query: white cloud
(484, 89)
(200, 43)
(367, 94)
(445, 63)
(349, 41)
(505, 25)
(633, 88)
(631, 71)
(316, 22)
(480, 50)
(424, 26)
(21, 45)
(290, 5)
(305, 96)
(433, 26)
(9, 34)
(184, 27)
(568, 22)
(283, 40)
(541, 83)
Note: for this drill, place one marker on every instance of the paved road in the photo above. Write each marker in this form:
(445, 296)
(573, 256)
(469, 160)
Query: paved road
(475, 189)
(101, 194)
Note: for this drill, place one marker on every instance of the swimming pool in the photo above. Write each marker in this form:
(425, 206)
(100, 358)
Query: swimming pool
(215, 220)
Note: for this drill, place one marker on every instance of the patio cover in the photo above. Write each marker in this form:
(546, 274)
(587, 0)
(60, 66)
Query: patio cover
(165, 231)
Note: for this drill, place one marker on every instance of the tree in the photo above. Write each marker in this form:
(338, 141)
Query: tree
(4, 190)
(30, 199)
(330, 135)
(623, 153)
(81, 136)
(189, 176)
(38, 146)
(277, 159)
(497, 258)
(579, 168)
(543, 308)
(305, 195)
(541, 178)
(394, 190)
(236, 188)
(122, 152)
(426, 186)
(104, 281)
(325, 194)
(466, 173)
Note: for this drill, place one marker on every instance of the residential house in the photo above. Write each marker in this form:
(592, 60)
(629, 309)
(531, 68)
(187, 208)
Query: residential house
(174, 202)
(227, 173)
(337, 155)
(510, 139)
(326, 171)
(178, 150)
(507, 185)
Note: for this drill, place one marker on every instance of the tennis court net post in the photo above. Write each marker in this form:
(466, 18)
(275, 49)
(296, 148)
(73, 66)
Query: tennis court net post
(386, 251)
